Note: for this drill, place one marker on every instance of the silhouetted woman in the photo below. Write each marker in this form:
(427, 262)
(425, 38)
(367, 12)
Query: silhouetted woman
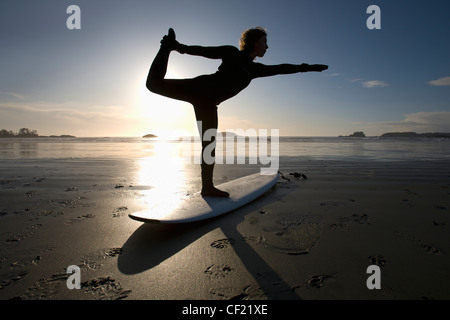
(206, 92)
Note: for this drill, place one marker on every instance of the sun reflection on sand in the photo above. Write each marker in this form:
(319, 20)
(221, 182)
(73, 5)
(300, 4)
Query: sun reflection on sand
(164, 175)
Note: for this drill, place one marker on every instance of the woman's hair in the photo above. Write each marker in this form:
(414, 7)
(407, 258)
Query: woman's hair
(250, 36)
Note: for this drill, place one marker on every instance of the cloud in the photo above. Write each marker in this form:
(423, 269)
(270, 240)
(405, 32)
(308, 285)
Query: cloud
(420, 122)
(64, 118)
(333, 75)
(445, 81)
(374, 84)
(369, 84)
(12, 94)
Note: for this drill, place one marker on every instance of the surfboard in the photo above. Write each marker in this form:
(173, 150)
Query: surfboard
(195, 207)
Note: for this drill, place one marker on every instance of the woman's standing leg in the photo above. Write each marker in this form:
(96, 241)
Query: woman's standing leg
(207, 121)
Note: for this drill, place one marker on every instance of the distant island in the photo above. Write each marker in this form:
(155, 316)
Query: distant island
(360, 134)
(150, 136)
(60, 136)
(415, 135)
(27, 133)
(356, 134)
(388, 135)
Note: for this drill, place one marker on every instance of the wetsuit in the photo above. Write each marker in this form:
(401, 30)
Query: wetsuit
(206, 92)
(234, 74)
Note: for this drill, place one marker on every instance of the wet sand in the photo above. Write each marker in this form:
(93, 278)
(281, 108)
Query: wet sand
(304, 239)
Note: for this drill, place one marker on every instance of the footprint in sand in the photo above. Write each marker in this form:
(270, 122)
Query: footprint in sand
(119, 212)
(16, 238)
(222, 243)
(248, 292)
(81, 218)
(344, 222)
(105, 288)
(429, 248)
(46, 288)
(289, 234)
(91, 261)
(12, 277)
(217, 272)
(409, 191)
(331, 203)
(317, 281)
(379, 261)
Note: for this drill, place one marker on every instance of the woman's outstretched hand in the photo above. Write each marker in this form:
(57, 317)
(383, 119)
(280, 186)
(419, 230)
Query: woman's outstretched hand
(317, 67)
(304, 67)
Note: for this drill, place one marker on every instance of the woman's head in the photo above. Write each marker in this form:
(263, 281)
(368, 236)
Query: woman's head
(254, 41)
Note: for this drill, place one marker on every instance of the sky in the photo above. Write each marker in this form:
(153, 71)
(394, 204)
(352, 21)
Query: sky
(90, 82)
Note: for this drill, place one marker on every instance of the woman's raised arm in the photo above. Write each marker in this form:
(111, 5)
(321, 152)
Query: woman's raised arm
(207, 52)
(267, 71)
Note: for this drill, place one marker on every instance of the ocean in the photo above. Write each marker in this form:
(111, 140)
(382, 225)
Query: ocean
(304, 148)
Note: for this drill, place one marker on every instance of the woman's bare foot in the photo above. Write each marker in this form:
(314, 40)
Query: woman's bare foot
(214, 192)
(169, 41)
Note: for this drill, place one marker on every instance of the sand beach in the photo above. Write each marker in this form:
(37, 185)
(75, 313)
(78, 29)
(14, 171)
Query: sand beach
(307, 239)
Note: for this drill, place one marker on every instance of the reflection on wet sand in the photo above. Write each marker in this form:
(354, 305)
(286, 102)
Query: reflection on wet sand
(163, 171)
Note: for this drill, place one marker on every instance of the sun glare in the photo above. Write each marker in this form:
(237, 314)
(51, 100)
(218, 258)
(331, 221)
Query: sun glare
(167, 118)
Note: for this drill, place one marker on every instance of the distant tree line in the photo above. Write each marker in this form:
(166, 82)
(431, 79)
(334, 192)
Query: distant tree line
(23, 133)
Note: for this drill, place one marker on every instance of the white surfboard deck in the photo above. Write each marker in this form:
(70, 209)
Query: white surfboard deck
(196, 207)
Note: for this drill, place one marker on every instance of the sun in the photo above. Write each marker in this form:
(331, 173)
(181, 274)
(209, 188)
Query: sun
(167, 118)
